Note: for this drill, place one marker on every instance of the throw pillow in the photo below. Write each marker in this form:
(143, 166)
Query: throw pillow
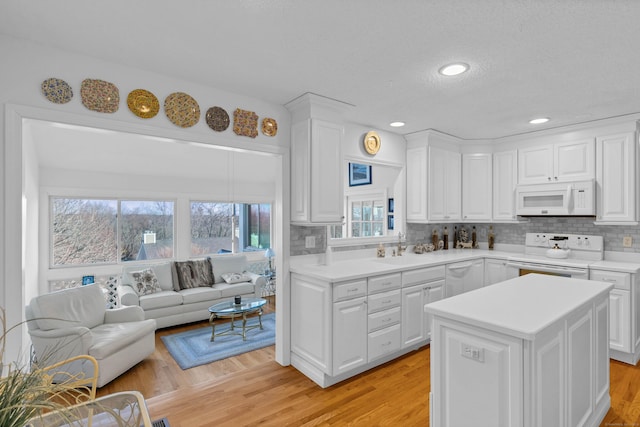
(232, 278)
(145, 282)
(194, 273)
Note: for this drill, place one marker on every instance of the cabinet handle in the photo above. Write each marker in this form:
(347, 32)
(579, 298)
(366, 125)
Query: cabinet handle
(606, 279)
(352, 290)
(555, 177)
(386, 301)
(387, 320)
(548, 178)
(386, 284)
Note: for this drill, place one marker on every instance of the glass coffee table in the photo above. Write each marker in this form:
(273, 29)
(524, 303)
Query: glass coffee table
(230, 310)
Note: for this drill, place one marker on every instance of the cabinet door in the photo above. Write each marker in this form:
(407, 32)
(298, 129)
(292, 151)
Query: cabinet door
(434, 293)
(495, 271)
(445, 191)
(476, 186)
(615, 174)
(300, 159)
(574, 161)
(413, 315)
(349, 334)
(455, 277)
(474, 278)
(535, 164)
(505, 176)
(619, 320)
(416, 184)
(326, 172)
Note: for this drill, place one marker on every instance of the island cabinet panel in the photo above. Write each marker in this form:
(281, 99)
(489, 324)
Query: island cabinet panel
(531, 351)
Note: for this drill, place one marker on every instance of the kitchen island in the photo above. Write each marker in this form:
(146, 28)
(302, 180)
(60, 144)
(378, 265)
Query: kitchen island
(530, 351)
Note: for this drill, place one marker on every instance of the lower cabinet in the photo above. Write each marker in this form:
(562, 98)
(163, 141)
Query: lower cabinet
(341, 329)
(464, 276)
(624, 321)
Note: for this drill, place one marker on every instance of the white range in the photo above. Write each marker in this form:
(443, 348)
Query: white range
(567, 255)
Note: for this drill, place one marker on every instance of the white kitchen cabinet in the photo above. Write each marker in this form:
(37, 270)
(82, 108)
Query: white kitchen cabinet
(444, 186)
(417, 184)
(616, 178)
(559, 162)
(495, 271)
(349, 335)
(419, 287)
(464, 276)
(548, 366)
(316, 172)
(623, 332)
(476, 186)
(505, 178)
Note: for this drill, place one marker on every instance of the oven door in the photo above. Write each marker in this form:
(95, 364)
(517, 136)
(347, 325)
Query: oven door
(517, 268)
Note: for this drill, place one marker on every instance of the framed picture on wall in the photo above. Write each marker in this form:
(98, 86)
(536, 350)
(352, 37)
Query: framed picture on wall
(87, 280)
(392, 206)
(390, 222)
(359, 174)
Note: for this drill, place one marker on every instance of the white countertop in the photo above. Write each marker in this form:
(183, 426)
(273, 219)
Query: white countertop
(625, 267)
(352, 269)
(520, 307)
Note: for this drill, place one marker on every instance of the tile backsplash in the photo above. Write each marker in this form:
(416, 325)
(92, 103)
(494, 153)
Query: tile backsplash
(504, 233)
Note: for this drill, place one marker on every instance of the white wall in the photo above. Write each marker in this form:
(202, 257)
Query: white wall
(24, 66)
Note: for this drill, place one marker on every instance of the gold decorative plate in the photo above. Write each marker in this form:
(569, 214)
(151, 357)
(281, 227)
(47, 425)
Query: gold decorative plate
(245, 123)
(217, 119)
(143, 103)
(182, 109)
(372, 142)
(100, 96)
(57, 91)
(269, 127)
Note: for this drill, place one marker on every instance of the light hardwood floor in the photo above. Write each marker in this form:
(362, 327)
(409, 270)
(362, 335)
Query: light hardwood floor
(252, 389)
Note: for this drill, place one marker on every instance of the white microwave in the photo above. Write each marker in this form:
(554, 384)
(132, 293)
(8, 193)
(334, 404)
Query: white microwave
(557, 199)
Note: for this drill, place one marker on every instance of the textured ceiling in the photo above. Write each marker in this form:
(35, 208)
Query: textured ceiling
(571, 60)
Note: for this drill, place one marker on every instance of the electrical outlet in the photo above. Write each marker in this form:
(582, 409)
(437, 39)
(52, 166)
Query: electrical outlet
(472, 352)
(310, 242)
(627, 241)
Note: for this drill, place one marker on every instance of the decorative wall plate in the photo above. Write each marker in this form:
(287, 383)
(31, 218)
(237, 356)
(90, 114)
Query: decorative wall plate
(143, 103)
(245, 123)
(217, 119)
(372, 142)
(100, 96)
(57, 90)
(182, 109)
(269, 127)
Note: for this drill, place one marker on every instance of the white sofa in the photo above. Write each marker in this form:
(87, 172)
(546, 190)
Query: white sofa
(75, 321)
(174, 306)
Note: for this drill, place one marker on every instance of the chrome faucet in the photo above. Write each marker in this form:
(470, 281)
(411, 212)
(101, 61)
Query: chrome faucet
(400, 247)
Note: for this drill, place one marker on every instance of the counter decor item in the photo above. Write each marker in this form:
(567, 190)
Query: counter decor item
(217, 119)
(434, 238)
(181, 109)
(100, 96)
(245, 123)
(372, 142)
(143, 103)
(380, 252)
(418, 248)
(57, 90)
(474, 238)
(492, 237)
(269, 127)
(445, 239)
(463, 239)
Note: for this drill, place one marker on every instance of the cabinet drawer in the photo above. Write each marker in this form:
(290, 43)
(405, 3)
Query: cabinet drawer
(384, 301)
(422, 275)
(384, 283)
(383, 342)
(383, 319)
(349, 290)
(619, 280)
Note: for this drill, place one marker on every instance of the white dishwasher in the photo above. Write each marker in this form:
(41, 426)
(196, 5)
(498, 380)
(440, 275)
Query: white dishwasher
(465, 276)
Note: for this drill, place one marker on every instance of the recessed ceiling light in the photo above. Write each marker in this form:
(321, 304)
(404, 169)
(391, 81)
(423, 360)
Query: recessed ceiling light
(539, 120)
(396, 124)
(454, 69)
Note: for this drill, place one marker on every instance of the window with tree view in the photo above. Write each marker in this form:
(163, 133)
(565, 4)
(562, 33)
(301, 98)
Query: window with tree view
(85, 231)
(218, 227)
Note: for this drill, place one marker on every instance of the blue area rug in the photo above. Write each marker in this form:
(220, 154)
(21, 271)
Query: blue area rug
(194, 348)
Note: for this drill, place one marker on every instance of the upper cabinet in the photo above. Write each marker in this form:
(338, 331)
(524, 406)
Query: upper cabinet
(476, 186)
(505, 176)
(434, 179)
(317, 132)
(559, 162)
(616, 178)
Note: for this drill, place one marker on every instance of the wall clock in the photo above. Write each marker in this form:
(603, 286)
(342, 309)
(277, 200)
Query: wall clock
(372, 142)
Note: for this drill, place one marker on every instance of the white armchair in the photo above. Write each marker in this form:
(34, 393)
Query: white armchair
(75, 321)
